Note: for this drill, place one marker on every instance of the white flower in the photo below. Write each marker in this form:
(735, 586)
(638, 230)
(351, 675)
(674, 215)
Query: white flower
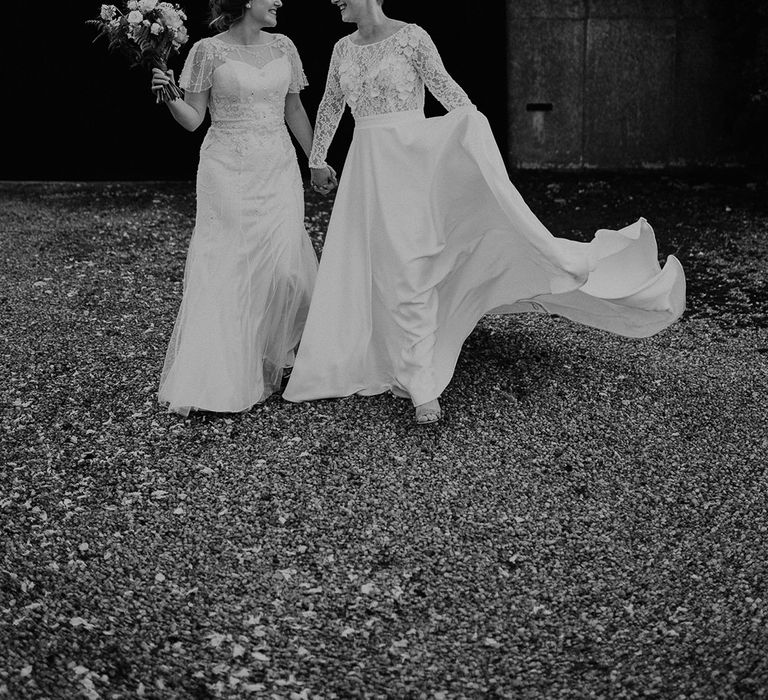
(166, 9)
(156, 28)
(135, 17)
(146, 22)
(133, 4)
(181, 35)
(108, 12)
(147, 5)
(170, 16)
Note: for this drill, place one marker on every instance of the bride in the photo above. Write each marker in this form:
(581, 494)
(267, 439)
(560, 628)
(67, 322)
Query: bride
(428, 234)
(251, 266)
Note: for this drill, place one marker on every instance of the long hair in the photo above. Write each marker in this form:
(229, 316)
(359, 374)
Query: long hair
(224, 13)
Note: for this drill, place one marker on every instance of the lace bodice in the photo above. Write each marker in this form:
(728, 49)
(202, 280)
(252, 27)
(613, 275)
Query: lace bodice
(387, 76)
(242, 88)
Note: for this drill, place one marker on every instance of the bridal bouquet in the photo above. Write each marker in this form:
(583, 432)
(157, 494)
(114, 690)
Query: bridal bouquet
(146, 32)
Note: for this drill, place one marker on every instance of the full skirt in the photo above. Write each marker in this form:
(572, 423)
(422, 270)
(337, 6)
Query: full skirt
(427, 235)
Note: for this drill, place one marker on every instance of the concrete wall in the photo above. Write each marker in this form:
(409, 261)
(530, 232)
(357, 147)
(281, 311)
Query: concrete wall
(614, 84)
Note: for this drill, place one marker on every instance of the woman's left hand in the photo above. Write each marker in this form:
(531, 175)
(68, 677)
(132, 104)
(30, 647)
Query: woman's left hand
(324, 179)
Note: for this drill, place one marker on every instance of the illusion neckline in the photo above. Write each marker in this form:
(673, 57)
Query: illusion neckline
(245, 46)
(380, 41)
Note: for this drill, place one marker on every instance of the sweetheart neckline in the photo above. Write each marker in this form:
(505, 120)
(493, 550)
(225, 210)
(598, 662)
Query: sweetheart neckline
(248, 65)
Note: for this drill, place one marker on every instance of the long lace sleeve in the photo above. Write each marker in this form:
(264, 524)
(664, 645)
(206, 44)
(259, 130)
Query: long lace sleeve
(197, 74)
(328, 114)
(298, 78)
(430, 66)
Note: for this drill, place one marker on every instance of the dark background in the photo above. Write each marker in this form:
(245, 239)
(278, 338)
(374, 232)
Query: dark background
(76, 112)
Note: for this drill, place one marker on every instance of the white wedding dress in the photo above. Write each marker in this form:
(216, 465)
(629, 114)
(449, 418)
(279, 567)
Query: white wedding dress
(428, 234)
(251, 266)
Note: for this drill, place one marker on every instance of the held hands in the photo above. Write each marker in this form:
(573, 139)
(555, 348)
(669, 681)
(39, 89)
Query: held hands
(324, 179)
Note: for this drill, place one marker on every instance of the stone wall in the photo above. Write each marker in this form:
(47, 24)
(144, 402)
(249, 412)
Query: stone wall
(615, 84)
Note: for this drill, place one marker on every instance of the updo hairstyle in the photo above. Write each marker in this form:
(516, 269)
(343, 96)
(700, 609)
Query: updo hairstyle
(224, 13)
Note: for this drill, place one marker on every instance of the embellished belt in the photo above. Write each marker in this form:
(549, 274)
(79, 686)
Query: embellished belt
(264, 120)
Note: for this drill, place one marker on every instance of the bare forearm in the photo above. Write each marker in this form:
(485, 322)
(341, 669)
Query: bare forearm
(185, 114)
(188, 112)
(298, 122)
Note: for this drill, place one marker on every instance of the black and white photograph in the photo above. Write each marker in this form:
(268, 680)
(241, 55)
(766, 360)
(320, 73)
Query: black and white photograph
(384, 349)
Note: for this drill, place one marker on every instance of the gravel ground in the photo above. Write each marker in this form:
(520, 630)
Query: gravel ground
(589, 520)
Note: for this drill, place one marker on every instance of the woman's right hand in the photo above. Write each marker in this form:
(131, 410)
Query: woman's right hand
(160, 79)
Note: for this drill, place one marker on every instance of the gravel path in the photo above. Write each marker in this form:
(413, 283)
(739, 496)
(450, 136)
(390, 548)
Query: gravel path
(590, 520)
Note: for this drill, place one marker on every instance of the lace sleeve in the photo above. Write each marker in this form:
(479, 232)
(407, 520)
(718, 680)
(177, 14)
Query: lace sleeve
(328, 114)
(298, 78)
(197, 74)
(430, 66)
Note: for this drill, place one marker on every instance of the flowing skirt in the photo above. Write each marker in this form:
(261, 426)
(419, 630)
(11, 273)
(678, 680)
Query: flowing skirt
(249, 276)
(427, 235)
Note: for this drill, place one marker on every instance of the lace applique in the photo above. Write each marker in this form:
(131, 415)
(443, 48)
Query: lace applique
(265, 139)
(388, 76)
(247, 85)
(432, 71)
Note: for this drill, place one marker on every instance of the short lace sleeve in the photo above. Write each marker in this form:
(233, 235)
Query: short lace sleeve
(197, 74)
(298, 79)
(430, 66)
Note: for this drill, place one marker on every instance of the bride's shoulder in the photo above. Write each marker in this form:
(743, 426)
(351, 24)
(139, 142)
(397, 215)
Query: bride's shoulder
(283, 40)
(343, 42)
(410, 34)
(414, 29)
(200, 47)
(205, 45)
